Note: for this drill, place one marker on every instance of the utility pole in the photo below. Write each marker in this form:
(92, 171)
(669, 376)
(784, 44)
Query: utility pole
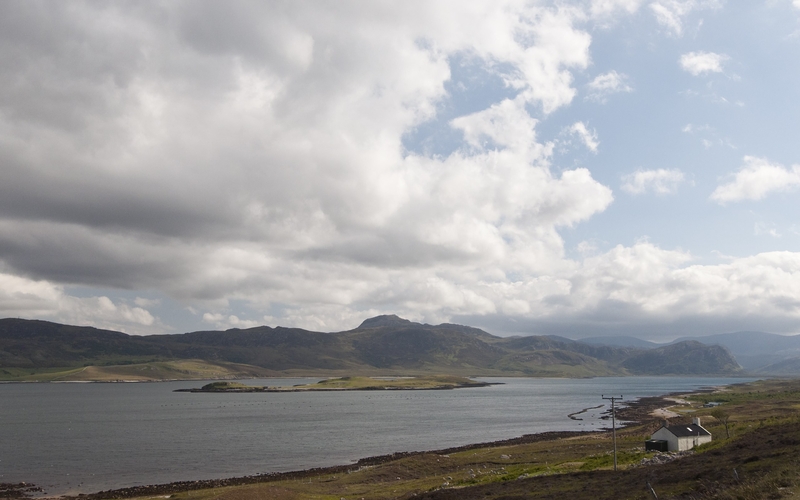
(613, 424)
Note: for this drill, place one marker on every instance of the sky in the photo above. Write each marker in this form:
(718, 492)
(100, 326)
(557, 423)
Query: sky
(577, 168)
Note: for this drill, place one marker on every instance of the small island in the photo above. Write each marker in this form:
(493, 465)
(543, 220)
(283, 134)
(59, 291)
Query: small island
(433, 382)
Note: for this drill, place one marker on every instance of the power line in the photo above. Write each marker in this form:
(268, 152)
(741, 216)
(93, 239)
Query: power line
(613, 424)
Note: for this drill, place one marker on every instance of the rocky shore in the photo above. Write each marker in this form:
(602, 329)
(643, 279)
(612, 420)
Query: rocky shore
(18, 490)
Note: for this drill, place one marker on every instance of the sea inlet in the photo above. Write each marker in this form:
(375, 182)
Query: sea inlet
(70, 438)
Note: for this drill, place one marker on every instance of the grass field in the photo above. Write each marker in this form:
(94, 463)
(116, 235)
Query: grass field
(761, 460)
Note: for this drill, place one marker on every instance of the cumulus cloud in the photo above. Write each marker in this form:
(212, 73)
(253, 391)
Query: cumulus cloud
(671, 13)
(607, 84)
(699, 63)
(253, 154)
(756, 179)
(660, 181)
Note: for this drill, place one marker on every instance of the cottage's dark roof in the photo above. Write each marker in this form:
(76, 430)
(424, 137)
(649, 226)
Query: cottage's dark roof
(688, 430)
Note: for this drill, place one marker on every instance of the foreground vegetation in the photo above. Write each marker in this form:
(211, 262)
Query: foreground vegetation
(760, 460)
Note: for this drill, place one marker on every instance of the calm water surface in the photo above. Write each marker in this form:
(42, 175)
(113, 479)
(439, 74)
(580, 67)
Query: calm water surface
(71, 438)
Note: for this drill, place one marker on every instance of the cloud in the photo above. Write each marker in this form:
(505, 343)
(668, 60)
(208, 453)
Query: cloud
(768, 229)
(606, 84)
(145, 302)
(658, 282)
(711, 138)
(671, 13)
(542, 68)
(653, 292)
(253, 154)
(504, 125)
(604, 8)
(660, 181)
(588, 138)
(691, 129)
(755, 180)
(224, 322)
(699, 63)
(248, 162)
(41, 299)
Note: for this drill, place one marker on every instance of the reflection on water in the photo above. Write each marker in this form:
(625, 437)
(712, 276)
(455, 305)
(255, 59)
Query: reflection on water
(90, 437)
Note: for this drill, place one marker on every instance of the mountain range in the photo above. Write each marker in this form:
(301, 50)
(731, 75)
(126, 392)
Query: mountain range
(384, 345)
(757, 352)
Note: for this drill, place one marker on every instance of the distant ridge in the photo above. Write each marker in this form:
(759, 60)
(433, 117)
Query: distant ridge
(688, 357)
(384, 344)
(761, 352)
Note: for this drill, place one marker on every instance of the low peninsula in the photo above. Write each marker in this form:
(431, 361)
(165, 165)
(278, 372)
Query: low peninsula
(431, 382)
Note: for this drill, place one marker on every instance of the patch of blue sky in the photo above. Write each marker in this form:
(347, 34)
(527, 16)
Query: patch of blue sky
(473, 86)
(702, 125)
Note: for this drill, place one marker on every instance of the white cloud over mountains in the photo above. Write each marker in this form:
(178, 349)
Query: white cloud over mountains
(253, 154)
(42, 299)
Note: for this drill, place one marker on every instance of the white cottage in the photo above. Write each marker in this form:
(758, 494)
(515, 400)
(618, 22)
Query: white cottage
(682, 437)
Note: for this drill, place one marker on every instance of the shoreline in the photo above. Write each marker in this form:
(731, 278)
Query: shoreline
(249, 390)
(637, 412)
(201, 484)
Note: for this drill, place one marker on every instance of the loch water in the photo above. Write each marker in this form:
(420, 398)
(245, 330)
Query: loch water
(86, 437)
